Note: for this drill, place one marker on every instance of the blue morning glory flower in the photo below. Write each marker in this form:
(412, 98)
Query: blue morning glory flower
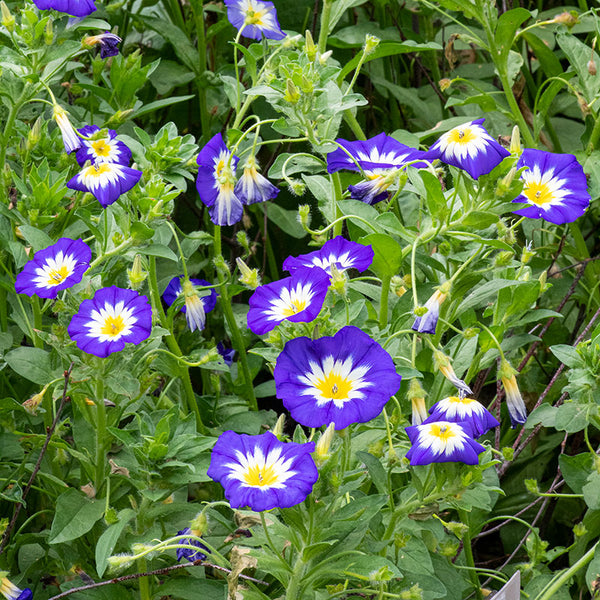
(442, 441)
(11, 592)
(344, 379)
(470, 148)
(102, 149)
(381, 158)
(296, 298)
(457, 410)
(253, 187)
(227, 354)
(428, 322)
(254, 18)
(109, 43)
(216, 182)
(339, 252)
(70, 138)
(54, 269)
(260, 472)
(196, 303)
(106, 181)
(190, 553)
(111, 318)
(555, 186)
(75, 8)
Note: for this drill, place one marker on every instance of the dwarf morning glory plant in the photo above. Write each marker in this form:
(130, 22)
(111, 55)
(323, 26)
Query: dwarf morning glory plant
(195, 305)
(261, 472)
(470, 148)
(296, 298)
(344, 379)
(554, 185)
(340, 252)
(111, 318)
(253, 187)
(54, 269)
(254, 18)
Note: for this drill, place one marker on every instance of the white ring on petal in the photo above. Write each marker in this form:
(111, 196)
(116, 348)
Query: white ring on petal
(254, 470)
(106, 317)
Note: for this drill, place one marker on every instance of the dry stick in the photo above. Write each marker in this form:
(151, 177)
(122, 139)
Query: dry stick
(148, 574)
(38, 464)
(551, 319)
(518, 449)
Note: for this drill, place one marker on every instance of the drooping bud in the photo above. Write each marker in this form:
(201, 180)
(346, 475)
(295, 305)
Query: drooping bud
(70, 138)
(442, 362)
(416, 394)
(514, 400)
(199, 525)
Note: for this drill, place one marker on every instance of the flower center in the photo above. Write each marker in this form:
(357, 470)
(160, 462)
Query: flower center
(254, 17)
(260, 476)
(538, 192)
(113, 326)
(462, 136)
(101, 148)
(443, 432)
(98, 170)
(334, 386)
(57, 276)
(294, 307)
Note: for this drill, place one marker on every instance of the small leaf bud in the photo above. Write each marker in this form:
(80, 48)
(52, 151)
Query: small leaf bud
(304, 215)
(532, 486)
(249, 277)
(371, 42)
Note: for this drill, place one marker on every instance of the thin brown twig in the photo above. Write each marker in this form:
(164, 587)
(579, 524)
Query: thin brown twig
(38, 464)
(162, 571)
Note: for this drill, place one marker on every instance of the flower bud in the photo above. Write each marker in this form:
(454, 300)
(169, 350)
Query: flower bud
(591, 67)
(514, 400)
(444, 84)
(277, 430)
(371, 42)
(304, 216)
(442, 362)
(503, 258)
(119, 561)
(567, 18)
(416, 394)
(579, 530)
(323, 58)
(515, 141)
(309, 47)
(527, 254)
(249, 277)
(324, 444)
(136, 274)
(339, 281)
(31, 405)
(292, 95)
(397, 286)
(35, 134)
(532, 486)
(199, 525)
(243, 241)
(8, 20)
(297, 187)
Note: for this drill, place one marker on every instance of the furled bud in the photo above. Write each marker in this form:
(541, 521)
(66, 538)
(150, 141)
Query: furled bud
(304, 216)
(444, 84)
(515, 141)
(324, 444)
(567, 18)
(339, 281)
(277, 430)
(310, 48)
(249, 277)
(292, 95)
(136, 274)
(416, 394)
(8, 20)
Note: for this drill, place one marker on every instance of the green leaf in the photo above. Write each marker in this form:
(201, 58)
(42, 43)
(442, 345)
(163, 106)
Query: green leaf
(140, 232)
(388, 254)
(75, 515)
(161, 251)
(37, 238)
(578, 55)
(591, 491)
(376, 470)
(285, 219)
(567, 355)
(572, 416)
(481, 295)
(548, 59)
(107, 541)
(480, 219)
(32, 363)
(436, 201)
(152, 106)
(508, 23)
(576, 469)
(387, 49)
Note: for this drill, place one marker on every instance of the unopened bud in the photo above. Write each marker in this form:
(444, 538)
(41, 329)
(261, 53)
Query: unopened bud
(444, 84)
(297, 187)
(310, 48)
(339, 281)
(249, 277)
(591, 67)
(243, 241)
(304, 215)
(324, 443)
(567, 18)
(515, 141)
(579, 530)
(371, 42)
(292, 95)
(136, 274)
(527, 254)
(277, 430)
(119, 561)
(397, 286)
(199, 525)
(532, 486)
(119, 118)
(505, 183)
(35, 134)
(503, 258)
(8, 19)
(31, 405)
(49, 33)
(323, 58)
(505, 233)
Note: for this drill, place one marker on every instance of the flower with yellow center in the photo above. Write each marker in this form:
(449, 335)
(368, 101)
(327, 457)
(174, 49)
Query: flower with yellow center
(254, 18)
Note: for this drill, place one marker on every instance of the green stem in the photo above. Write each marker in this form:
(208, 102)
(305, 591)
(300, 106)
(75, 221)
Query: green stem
(594, 137)
(354, 125)
(145, 591)
(184, 372)
(324, 31)
(100, 427)
(383, 307)
(37, 321)
(464, 517)
(237, 339)
(336, 213)
(200, 83)
(550, 590)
